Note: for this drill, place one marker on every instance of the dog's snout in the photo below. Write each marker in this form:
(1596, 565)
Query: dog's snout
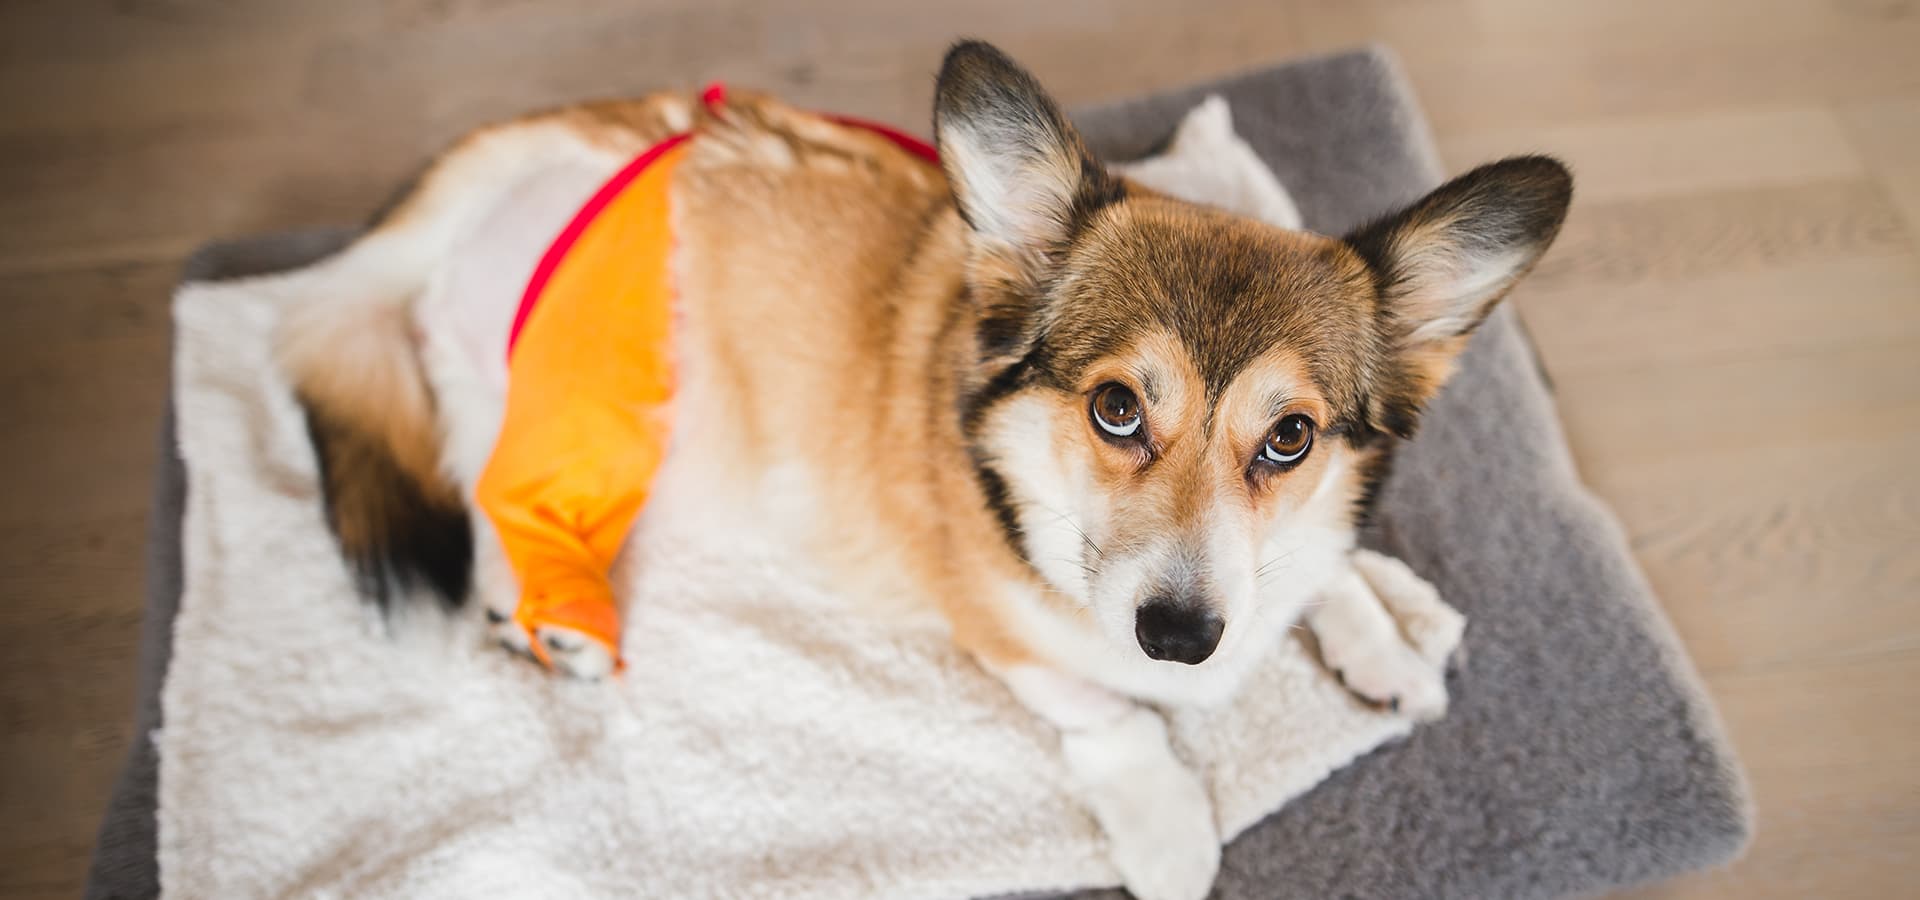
(1182, 631)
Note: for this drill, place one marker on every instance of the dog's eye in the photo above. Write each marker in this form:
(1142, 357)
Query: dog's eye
(1289, 442)
(1117, 411)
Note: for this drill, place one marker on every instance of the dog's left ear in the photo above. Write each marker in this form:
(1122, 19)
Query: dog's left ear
(1023, 179)
(1444, 263)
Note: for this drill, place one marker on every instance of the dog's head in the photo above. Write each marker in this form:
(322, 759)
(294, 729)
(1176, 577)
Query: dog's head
(1179, 415)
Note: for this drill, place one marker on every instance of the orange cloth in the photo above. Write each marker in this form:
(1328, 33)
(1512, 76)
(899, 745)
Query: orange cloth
(590, 385)
(590, 382)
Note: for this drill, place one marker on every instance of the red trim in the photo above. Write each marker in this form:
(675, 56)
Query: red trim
(578, 226)
(714, 95)
(906, 141)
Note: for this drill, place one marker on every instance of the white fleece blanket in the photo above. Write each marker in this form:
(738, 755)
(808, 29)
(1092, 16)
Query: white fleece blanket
(760, 744)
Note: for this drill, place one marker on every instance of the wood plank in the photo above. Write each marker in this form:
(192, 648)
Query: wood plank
(1623, 421)
(1768, 558)
(83, 362)
(1657, 58)
(1657, 241)
(1515, 86)
(90, 302)
(1886, 130)
(1887, 133)
(1638, 156)
(1744, 314)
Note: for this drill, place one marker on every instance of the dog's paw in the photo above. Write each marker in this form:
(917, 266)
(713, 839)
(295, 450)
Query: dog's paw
(1433, 627)
(574, 653)
(504, 631)
(569, 652)
(1385, 634)
(1156, 813)
(1164, 861)
(1382, 668)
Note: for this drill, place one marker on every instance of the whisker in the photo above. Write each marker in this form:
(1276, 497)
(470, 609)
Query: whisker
(1082, 564)
(1269, 564)
(1068, 520)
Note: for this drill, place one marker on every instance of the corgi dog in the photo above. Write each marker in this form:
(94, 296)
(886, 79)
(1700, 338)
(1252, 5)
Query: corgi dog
(1119, 441)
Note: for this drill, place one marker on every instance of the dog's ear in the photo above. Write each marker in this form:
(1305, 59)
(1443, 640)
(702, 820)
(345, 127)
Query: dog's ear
(1443, 263)
(1023, 179)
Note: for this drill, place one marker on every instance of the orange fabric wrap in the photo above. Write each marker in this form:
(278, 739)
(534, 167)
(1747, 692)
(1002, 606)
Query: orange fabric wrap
(589, 412)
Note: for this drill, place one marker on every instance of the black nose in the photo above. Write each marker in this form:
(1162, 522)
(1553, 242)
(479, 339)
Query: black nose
(1183, 632)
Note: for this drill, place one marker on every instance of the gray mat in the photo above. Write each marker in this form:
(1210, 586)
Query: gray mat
(1580, 754)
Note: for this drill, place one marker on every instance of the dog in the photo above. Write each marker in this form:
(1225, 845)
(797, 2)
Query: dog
(1120, 442)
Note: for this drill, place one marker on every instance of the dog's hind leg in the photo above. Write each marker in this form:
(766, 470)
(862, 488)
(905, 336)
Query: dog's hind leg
(464, 319)
(506, 192)
(349, 343)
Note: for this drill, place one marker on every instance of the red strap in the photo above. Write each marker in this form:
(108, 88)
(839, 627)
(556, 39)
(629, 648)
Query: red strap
(905, 141)
(557, 251)
(713, 97)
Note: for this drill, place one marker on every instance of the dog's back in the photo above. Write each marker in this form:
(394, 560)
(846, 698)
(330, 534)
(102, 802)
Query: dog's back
(812, 274)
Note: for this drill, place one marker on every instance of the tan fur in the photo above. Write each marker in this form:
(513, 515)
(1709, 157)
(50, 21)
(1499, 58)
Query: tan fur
(389, 403)
(805, 246)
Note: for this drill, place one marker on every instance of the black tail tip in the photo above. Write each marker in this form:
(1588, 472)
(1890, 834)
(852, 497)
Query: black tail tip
(398, 534)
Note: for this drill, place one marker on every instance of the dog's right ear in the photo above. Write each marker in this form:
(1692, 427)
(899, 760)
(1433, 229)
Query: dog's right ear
(1023, 179)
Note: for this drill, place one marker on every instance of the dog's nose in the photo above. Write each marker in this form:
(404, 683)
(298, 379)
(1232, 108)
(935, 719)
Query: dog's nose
(1183, 632)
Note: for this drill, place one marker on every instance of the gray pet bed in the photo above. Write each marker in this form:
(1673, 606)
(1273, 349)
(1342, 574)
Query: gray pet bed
(1580, 753)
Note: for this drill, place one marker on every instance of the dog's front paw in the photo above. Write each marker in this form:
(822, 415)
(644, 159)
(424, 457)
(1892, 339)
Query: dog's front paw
(1433, 627)
(1384, 633)
(1156, 814)
(1383, 669)
(1166, 860)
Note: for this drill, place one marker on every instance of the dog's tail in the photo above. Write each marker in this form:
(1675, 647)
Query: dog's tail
(350, 347)
(347, 344)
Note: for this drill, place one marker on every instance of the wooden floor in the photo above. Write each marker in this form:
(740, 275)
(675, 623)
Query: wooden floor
(1732, 318)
